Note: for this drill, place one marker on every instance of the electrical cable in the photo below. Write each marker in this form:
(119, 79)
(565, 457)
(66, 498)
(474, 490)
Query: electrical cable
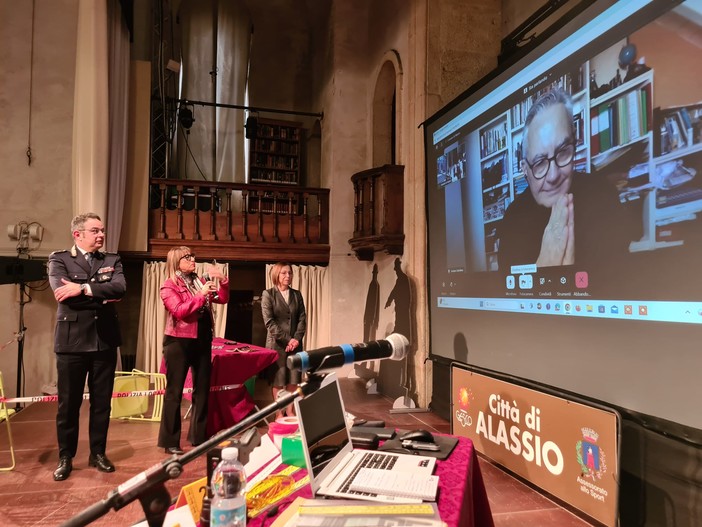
(31, 86)
(187, 145)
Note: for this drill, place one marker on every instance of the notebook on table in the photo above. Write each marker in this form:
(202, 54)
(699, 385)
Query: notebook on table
(332, 461)
(418, 486)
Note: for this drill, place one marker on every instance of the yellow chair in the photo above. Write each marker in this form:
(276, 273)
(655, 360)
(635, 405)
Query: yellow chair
(136, 408)
(5, 414)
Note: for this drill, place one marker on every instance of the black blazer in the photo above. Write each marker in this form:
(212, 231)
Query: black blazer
(283, 321)
(87, 323)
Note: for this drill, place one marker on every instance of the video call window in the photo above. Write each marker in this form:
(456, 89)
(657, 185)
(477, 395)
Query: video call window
(636, 142)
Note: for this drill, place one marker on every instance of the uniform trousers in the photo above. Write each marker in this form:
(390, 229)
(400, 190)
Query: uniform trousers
(73, 368)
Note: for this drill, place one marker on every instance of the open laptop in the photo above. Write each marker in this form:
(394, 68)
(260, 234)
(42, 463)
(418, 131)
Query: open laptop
(331, 459)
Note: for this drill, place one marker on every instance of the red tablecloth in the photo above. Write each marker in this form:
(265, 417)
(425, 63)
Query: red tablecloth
(462, 501)
(232, 363)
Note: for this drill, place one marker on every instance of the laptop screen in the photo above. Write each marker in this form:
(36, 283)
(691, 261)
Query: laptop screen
(323, 424)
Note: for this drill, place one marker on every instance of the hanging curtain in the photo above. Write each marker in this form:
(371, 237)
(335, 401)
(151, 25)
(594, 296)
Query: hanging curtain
(313, 282)
(100, 115)
(215, 44)
(91, 110)
(119, 56)
(152, 317)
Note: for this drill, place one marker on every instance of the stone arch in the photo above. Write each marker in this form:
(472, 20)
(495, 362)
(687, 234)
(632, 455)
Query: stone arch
(385, 111)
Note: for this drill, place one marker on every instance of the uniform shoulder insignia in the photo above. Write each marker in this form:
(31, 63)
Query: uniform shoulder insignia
(58, 252)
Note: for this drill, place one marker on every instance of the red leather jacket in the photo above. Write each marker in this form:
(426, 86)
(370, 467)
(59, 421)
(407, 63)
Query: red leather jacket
(183, 306)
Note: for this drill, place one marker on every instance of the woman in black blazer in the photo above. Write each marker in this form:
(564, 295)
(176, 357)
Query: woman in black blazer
(286, 321)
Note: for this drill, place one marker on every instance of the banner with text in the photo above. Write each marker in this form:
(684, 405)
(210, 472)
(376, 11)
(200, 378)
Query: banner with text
(567, 448)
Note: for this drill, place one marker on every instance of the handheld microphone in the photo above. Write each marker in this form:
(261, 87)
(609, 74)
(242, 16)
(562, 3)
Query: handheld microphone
(394, 347)
(200, 281)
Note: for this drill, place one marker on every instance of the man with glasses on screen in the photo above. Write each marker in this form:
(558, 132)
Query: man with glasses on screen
(540, 226)
(86, 283)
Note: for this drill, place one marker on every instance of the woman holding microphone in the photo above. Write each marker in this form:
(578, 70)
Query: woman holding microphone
(187, 343)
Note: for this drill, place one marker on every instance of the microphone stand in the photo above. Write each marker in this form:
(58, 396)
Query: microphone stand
(20, 342)
(149, 486)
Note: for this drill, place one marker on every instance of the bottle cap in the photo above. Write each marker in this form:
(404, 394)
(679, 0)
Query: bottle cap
(230, 453)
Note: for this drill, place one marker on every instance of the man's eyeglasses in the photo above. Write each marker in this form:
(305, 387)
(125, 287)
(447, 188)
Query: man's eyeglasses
(94, 231)
(190, 257)
(563, 157)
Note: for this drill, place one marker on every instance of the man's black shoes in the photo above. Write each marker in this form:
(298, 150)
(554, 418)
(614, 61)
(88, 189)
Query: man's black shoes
(174, 450)
(65, 465)
(101, 462)
(64, 468)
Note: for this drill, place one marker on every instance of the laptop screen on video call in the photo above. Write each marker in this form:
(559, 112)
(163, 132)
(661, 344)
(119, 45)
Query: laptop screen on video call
(322, 416)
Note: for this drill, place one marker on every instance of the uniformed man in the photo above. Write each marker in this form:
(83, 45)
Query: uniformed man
(86, 283)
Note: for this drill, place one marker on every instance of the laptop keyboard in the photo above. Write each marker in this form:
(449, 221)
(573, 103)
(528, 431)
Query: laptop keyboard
(370, 460)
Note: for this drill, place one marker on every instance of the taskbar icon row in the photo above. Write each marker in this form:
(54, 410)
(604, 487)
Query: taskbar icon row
(575, 307)
(686, 312)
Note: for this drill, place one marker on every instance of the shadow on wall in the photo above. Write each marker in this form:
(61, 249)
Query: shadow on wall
(392, 382)
(371, 318)
(441, 397)
(371, 315)
(460, 348)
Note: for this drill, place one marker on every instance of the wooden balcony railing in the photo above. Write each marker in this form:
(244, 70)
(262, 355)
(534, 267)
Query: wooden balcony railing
(236, 221)
(378, 211)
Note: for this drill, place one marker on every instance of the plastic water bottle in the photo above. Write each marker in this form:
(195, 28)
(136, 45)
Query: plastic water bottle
(228, 497)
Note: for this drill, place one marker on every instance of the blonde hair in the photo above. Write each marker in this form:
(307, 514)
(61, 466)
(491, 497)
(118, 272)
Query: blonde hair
(173, 259)
(276, 269)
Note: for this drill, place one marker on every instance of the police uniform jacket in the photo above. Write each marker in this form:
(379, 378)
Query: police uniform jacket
(87, 323)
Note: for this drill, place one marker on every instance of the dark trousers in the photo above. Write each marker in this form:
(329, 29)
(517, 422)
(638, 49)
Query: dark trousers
(73, 368)
(182, 354)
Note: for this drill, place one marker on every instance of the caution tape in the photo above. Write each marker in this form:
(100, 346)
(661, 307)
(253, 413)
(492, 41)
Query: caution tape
(115, 395)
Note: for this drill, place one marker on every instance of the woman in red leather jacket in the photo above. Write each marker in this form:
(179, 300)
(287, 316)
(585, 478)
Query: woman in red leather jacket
(187, 343)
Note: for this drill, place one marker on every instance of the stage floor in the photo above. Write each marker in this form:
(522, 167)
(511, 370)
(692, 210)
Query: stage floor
(29, 494)
(30, 497)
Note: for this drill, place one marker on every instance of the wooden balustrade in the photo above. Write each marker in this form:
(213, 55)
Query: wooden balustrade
(378, 211)
(235, 221)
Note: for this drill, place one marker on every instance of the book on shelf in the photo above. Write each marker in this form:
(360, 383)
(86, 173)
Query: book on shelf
(676, 132)
(633, 112)
(686, 122)
(594, 134)
(493, 139)
(620, 121)
(604, 116)
(579, 128)
(677, 127)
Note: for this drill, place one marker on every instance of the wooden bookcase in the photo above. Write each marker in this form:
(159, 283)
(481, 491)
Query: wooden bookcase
(275, 153)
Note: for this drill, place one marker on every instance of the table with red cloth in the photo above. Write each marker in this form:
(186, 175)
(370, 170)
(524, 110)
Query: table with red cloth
(462, 499)
(232, 363)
